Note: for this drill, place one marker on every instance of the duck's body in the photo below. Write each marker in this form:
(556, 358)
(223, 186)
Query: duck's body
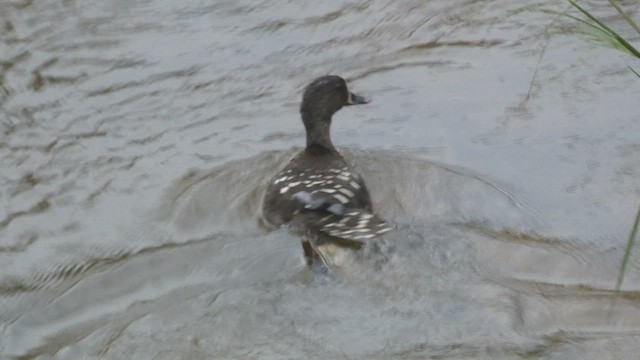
(325, 175)
(318, 192)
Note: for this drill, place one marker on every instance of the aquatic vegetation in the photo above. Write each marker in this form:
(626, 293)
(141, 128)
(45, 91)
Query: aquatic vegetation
(609, 35)
(616, 40)
(627, 250)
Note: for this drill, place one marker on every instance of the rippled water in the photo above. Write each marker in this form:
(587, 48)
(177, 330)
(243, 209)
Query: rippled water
(137, 137)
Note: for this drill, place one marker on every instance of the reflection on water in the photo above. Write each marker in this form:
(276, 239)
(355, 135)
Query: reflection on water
(137, 138)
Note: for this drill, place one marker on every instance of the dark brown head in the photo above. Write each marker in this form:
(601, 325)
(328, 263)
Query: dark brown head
(323, 98)
(327, 95)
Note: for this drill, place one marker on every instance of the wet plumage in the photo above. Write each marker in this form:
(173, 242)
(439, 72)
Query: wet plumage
(318, 193)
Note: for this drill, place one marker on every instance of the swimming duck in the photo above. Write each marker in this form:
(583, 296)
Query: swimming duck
(318, 193)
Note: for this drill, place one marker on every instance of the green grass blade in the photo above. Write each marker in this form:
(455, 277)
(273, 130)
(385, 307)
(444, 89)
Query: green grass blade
(625, 16)
(608, 30)
(593, 18)
(589, 24)
(627, 250)
(635, 72)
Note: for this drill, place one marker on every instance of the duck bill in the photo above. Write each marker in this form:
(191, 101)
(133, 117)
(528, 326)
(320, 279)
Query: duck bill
(356, 99)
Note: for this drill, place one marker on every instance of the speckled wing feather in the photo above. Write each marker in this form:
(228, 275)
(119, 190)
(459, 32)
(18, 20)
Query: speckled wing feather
(337, 185)
(331, 199)
(354, 224)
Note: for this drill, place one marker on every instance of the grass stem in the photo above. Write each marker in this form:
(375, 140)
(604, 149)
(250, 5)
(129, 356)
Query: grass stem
(608, 31)
(627, 251)
(625, 16)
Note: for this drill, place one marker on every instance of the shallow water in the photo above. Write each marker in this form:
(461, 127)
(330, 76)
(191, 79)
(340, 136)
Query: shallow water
(137, 138)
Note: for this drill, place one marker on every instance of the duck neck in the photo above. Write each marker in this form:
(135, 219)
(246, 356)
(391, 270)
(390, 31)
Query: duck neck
(318, 132)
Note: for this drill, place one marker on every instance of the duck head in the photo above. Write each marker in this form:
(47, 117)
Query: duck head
(322, 98)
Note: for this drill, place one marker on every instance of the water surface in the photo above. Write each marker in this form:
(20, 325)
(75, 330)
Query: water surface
(137, 137)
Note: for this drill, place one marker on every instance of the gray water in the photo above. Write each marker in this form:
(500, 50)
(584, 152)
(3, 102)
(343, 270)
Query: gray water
(137, 137)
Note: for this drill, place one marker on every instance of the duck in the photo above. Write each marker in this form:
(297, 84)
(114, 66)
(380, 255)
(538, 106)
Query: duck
(318, 193)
